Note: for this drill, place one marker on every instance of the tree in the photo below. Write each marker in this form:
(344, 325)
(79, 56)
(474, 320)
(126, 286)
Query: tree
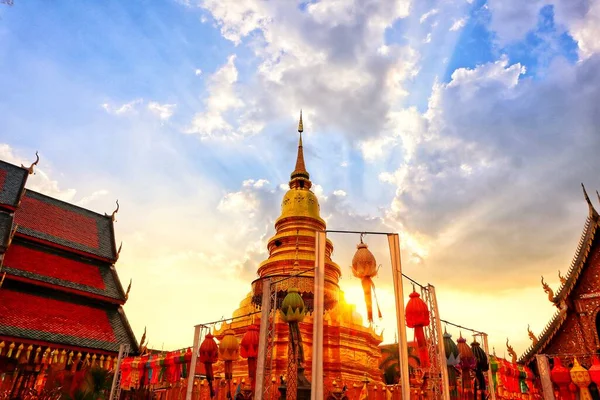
(391, 363)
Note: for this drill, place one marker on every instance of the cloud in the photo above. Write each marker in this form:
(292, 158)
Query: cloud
(458, 24)
(222, 97)
(123, 109)
(513, 19)
(197, 72)
(163, 111)
(334, 49)
(428, 14)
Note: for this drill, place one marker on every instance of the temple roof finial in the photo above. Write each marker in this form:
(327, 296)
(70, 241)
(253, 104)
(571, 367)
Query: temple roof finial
(587, 199)
(300, 169)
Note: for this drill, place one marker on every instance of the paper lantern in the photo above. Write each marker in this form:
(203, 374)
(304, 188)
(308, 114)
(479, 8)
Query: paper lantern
(249, 350)
(364, 267)
(581, 378)
(209, 354)
(561, 376)
(594, 371)
(417, 317)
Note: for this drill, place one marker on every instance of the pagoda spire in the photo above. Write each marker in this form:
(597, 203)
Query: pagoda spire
(300, 172)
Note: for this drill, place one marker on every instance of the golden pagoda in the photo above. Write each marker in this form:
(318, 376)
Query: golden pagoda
(351, 350)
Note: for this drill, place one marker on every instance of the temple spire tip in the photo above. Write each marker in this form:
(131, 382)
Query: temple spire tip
(300, 126)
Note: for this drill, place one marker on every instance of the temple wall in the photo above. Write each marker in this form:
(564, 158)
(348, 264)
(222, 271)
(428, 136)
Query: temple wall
(579, 333)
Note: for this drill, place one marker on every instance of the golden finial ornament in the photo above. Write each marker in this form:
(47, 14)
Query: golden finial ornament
(70, 359)
(548, 290)
(102, 361)
(300, 125)
(114, 213)
(511, 352)
(19, 350)
(30, 169)
(2, 279)
(46, 355)
(128, 289)
(54, 356)
(28, 352)
(2, 345)
(94, 360)
(10, 349)
(12, 234)
(587, 199)
(63, 356)
(119, 250)
(532, 336)
(87, 359)
(143, 338)
(37, 355)
(562, 279)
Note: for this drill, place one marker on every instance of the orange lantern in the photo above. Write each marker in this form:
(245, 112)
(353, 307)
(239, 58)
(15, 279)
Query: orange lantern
(364, 267)
(229, 352)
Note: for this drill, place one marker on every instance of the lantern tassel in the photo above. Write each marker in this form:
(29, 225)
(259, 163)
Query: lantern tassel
(422, 345)
(367, 284)
(209, 378)
(376, 301)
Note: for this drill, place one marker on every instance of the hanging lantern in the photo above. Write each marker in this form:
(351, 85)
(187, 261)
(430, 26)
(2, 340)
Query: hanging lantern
(467, 363)
(561, 376)
(594, 371)
(293, 312)
(581, 378)
(481, 365)
(364, 267)
(249, 350)
(452, 360)
(209, 354)
(229, 352)
(417, 316)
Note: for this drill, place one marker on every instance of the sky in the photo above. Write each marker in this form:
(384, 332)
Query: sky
(466, 125)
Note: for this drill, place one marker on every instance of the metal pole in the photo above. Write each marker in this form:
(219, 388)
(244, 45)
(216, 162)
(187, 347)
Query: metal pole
(192, 371)
(394, 242)
(117, 372)
(492, 390)
(441, 350)
(262, 344)
(316, 392)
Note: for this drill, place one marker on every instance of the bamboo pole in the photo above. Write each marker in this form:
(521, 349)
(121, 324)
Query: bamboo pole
(394, 243)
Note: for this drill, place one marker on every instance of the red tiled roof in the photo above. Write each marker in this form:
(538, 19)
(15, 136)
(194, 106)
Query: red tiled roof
(12, 181)
(38, 317)
(64, 224)
(52, 265)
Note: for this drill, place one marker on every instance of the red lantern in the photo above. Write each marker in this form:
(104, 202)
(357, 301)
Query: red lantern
(595, 371)
(209, 354)
(417, 316)
(249, 350)
(561, 376)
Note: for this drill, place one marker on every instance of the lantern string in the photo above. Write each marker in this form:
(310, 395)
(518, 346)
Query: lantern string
(462, 327)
